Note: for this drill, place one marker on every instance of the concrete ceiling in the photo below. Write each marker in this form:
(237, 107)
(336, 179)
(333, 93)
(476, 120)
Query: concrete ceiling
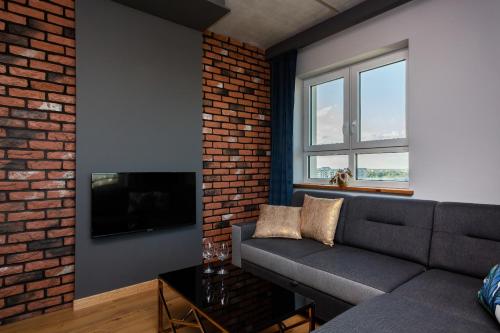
(264, 23)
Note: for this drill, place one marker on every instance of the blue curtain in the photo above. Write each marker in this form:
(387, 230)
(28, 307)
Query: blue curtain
(282, 98)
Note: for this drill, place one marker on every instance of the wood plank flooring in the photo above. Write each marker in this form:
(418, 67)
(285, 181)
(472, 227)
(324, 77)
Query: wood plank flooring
(133, 314)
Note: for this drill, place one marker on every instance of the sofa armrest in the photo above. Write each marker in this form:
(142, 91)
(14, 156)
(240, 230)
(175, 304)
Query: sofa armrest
(240, 233)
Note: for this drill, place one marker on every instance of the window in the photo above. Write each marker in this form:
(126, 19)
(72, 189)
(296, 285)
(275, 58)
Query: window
(356, 117)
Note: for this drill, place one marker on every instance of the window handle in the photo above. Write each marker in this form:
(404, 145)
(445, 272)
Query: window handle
(345, 128)
(354, 126)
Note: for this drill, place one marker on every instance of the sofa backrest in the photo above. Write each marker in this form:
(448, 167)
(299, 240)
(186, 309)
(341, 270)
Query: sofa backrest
(397, 227)
(466, 238)
(298, 200)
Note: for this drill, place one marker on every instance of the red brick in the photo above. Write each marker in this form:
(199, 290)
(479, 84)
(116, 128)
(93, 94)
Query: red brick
(66, 288)
(25, 154)
(8, 249)
(11, 206)
(25, 93)
(24, 257)
(61, 21)
(47, 86)
(43, 284)
(13, 310)
(66, 3)
(43, 224)
(60, 194)
(47, 302)
(12, 123)
(44, 204)
(61, 40)
(9, 270)
(61, 155)
(43, 125)
(28, 53)
(58, 271)
(44, 165)
(45, 6)
(48, 184)
(27, 73)
(9, 291)
(45, 26)
(11, 17)
(26, 215)
(26, 236)
(26, 175)
(26, 11)
(47, 66)
(10, 186)
(26, 195)
(41, 264)
(46, 145)
(13, 81)
(55, 213)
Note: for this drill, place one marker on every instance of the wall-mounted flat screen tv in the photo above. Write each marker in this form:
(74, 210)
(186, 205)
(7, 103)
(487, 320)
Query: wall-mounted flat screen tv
(126, 202)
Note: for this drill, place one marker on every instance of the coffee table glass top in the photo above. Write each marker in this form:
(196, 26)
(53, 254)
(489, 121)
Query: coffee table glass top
(238, 301)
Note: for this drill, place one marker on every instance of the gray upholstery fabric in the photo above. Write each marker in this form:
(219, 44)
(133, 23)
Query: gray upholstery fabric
(453, 293)
(278, 254)
(466, 238)
(298, 200)
(354, 275)
(392, 314)
(240, 232)
(398, 227)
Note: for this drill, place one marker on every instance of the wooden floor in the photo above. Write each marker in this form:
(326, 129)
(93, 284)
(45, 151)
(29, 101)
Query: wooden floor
(133, 314)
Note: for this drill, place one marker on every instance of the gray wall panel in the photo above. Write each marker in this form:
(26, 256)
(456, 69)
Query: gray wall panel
(138, 109)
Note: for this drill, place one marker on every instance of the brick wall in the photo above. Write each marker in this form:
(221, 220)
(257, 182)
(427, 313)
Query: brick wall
(236, 133)
(37, 162)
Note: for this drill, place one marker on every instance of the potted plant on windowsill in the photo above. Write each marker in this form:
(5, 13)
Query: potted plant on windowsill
(341, 177)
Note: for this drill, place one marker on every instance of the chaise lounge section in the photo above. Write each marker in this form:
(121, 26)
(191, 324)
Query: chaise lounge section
(397, 264)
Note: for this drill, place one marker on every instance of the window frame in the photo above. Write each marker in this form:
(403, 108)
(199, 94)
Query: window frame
(355, 72)
(352, 145)
(308, 85)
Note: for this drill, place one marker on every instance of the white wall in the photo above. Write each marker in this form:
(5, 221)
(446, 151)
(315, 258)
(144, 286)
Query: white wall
(454, 90)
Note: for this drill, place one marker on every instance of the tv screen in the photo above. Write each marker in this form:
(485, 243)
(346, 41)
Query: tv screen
(142, 201)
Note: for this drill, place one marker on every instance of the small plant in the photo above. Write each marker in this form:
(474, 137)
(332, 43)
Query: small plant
(341, 177)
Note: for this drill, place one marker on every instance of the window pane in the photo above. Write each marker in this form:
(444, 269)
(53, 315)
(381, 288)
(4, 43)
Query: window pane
(324, 167)
(382, 98)
(383, 166)
(327, 112)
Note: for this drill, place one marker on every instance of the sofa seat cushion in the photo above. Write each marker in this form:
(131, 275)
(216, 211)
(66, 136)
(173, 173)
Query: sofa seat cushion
(390, 313)
(453, 293)
(279, 255)
(354, 275)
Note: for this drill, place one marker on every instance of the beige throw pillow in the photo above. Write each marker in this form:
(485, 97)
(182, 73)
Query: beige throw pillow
(278, 221)
(319, 218)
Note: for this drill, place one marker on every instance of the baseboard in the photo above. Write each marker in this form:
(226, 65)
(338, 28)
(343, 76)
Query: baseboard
(112, 295)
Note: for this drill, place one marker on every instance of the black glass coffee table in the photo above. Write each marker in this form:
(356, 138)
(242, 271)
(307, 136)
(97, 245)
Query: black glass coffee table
(235, 302)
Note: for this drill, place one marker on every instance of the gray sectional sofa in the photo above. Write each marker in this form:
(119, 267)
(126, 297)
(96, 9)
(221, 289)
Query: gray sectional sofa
(398, 265)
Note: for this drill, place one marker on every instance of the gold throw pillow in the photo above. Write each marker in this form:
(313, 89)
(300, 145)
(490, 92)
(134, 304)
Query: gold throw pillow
(278, 221)
(319, 218)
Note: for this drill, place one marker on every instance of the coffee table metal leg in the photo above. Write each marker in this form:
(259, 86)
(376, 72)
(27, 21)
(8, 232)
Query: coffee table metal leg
(198, 320)
(312, 321)
(160, 307)
(163, 304)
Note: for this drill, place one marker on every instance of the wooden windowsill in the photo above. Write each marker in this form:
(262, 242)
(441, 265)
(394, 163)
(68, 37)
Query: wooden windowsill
(383, 190)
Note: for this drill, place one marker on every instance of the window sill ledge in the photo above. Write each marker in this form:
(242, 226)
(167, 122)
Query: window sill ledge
(382, 190)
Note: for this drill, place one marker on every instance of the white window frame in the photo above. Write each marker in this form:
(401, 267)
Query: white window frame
(308, 84)
(352, 144)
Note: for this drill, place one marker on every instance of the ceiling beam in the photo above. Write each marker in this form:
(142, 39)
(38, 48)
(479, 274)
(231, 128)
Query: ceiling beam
(333, 25)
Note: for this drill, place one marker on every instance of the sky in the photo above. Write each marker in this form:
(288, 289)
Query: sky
(383, 116)
(382, 104)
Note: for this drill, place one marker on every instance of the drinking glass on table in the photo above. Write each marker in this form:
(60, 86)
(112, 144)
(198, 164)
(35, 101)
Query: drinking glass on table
(208, 253)
(222, 253)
